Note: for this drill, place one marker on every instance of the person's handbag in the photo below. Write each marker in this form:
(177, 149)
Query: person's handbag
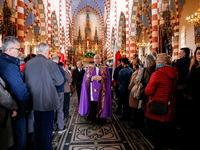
(139, 89)
(138, 92)
(160, 108)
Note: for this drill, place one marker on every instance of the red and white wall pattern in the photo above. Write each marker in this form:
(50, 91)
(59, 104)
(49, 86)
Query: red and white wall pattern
(20, 22)
(127, 28)
(155, 35)
(49, 23)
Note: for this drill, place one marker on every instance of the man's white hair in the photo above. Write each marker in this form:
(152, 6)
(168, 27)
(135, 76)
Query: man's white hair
(42, 48)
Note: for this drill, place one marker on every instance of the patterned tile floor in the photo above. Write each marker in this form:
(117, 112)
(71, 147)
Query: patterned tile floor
(82, 134)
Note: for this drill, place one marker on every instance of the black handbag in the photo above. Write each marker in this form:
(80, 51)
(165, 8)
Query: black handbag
(160, 108)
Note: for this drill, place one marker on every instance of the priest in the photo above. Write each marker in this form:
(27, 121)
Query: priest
(95, 99)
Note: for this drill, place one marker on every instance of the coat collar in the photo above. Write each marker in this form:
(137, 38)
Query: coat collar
(10, 58)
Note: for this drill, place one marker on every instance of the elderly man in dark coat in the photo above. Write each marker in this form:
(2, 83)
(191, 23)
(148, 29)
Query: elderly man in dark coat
(42, 76)
(13, 77)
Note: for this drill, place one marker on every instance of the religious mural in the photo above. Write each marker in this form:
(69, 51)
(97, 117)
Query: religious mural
(197, 34)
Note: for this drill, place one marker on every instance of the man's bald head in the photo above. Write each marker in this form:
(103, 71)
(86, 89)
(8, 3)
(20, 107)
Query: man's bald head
(97, 59)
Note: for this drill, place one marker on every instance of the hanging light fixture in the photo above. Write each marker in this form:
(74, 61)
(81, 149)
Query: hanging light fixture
(33, 43)
(194, 19)
(143, 44)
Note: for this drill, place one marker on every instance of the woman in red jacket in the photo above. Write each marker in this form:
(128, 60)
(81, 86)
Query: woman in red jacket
(162, 82)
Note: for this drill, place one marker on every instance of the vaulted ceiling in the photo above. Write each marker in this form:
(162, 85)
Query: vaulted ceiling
(99, 5)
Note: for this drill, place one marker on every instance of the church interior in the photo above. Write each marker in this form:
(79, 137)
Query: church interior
(76, 28)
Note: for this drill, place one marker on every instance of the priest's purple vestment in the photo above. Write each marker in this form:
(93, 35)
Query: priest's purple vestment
(101, 92)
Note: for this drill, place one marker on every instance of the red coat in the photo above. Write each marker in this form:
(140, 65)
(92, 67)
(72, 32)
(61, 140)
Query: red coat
(159, 88)
(22, 67)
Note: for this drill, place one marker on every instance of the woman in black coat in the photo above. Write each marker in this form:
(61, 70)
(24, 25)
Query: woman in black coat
(192, 99)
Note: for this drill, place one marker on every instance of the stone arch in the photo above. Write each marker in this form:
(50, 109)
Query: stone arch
(55, 28)
(42, 17)
(133, 26)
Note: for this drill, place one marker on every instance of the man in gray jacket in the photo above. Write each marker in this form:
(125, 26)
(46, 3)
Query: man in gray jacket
(42, 76)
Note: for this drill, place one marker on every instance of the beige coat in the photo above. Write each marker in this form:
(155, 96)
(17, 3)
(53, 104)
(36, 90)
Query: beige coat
(132, 102)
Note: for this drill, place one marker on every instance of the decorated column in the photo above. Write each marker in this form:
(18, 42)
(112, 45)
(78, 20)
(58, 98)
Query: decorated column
(108, 32)
(133, 46)
(133, 30)
(49, 23)
(176, 31)
(155, 42)
(60, 25)
(20, 22)
(67, 32)
(127, 29)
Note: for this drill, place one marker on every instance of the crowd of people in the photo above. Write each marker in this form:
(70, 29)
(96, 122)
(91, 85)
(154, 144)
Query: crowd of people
(156, 95)
(160, 97)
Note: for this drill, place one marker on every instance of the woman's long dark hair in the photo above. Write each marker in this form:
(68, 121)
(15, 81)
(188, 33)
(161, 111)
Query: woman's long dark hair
(194, 60)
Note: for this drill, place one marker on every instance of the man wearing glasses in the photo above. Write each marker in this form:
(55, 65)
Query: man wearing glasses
(13, 77)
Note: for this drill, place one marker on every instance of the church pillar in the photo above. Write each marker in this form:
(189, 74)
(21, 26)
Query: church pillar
(20, 22)
(108, 36)
(133, 46)
(176, 31)
(127, 29)
(176, 47)
(60, 26)
(115, 26)
(155, 42)
(72, 36)
(49, 23)
(67, 33)
(108, 32)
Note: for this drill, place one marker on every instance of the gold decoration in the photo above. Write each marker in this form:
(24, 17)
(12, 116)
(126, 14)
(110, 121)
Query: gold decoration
(176, 39)
(42, 37)
(56, 47)
(1, 10)
(134, 38)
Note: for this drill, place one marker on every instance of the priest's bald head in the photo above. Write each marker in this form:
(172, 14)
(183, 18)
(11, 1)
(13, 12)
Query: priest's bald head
(97, 59)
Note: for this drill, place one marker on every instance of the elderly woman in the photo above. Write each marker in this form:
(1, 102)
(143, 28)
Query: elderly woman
(143, 77)
(161, 88)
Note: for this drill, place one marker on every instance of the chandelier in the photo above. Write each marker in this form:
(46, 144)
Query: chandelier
(143, 44)
(32, 43)
(194, 19)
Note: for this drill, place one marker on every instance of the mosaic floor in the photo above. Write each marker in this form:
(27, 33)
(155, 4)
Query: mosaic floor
(82, 134)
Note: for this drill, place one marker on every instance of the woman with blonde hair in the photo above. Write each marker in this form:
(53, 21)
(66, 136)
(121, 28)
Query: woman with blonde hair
(161, 89)
(133, 103)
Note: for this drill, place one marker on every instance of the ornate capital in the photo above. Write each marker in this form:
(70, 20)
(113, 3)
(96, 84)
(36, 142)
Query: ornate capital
(176, 39)
(134, 38)
(119, 47)
(42, 37)
(56, 47)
